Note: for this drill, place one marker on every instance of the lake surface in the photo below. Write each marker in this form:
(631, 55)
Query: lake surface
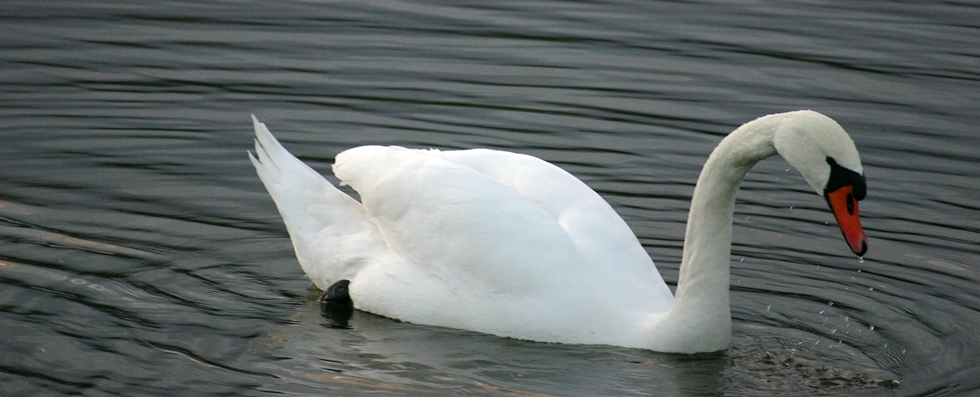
(141, 256)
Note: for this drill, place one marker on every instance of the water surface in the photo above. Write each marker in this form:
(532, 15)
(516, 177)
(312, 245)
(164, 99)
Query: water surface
(140, 255)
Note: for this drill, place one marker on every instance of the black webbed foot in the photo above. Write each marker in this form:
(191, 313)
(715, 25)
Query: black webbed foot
(337, 293)
(336, 305)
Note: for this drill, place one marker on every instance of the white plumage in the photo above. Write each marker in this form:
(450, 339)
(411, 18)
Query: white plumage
(495, 242)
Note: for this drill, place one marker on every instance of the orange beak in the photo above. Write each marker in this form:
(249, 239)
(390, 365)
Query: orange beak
(845, 208)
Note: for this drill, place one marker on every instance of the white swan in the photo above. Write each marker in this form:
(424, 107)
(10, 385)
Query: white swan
(511, 245)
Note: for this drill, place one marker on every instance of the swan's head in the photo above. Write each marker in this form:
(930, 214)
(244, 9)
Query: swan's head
(825, 155)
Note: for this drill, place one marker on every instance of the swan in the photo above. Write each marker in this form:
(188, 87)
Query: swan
(510, 245)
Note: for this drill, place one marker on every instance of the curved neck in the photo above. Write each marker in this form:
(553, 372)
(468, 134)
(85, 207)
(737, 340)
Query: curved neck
(700, 319)
(707, 243)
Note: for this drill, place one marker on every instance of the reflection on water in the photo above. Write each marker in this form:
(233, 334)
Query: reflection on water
(139, 254)
(402, 357)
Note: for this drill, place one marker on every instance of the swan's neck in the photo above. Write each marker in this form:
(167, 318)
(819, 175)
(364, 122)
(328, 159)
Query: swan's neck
(700, 319)
(704, 271)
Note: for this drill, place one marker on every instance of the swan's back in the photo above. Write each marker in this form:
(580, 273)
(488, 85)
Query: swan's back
(496, 199)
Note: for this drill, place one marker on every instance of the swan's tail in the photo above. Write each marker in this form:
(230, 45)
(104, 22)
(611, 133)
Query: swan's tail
(331, 233)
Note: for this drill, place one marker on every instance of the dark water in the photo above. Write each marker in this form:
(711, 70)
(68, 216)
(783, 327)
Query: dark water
(140, 255)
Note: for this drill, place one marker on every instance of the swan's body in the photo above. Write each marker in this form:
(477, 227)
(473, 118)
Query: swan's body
(511, 245)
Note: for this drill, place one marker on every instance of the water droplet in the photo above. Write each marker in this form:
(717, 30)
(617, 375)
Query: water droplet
(871, 288)
(860, 259)
(769, 307)
(830, 303)
(872, 327)
(859, 270)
